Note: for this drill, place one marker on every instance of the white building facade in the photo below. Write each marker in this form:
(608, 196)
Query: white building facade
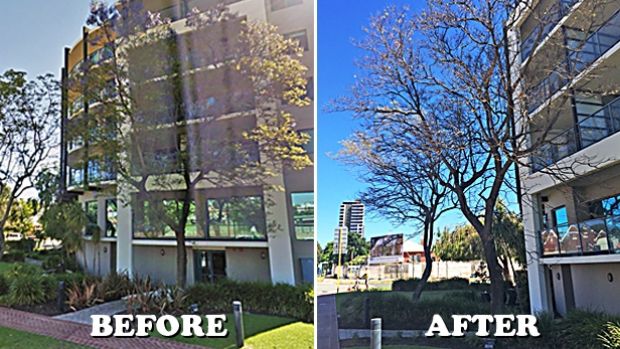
(570, 67)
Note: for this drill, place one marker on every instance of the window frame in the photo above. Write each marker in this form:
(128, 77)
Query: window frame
(207, 220)
(292, 216)
(284, 4)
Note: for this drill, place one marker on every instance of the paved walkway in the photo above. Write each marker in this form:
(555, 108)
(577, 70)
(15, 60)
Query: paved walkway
(327, 323)
(83, 316)
(78, 333)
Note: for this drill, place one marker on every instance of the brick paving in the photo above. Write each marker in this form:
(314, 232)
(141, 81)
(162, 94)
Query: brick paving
(327, 323)
(78, 333)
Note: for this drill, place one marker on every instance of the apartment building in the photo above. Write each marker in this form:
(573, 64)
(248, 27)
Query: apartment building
(230, 233)
(568, 57)
(351, 216)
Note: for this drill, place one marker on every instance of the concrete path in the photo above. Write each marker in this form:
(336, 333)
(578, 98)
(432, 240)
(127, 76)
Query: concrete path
(83, 316)
(327, 323)
(78, 333)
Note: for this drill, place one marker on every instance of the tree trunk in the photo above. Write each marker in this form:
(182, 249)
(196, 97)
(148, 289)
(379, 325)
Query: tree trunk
(181, 261)
(428, 268)
(5, 218)
(1, 242)
(495, 273)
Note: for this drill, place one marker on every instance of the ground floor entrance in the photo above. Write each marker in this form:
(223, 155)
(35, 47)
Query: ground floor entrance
(210, 266)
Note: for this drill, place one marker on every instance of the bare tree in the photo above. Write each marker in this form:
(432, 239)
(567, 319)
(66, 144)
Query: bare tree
(28, 124)
(401, 187)
(448, 74)
(174, 109)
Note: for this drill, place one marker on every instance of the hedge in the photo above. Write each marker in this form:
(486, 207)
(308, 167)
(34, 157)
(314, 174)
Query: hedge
(256, 297)
(448, 284)
(401, 312)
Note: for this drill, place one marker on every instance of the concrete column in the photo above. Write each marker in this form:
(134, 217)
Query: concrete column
(278, 235)
(536, 273)
(101, 214)
(124, 239)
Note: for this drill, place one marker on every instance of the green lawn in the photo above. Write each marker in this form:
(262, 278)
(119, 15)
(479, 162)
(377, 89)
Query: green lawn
(261, 331)
(13, 339)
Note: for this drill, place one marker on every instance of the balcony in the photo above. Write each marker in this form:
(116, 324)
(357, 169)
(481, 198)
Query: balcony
(582, 54)
(591, 129)
(594, 236)
(98, 172)
(540, 32)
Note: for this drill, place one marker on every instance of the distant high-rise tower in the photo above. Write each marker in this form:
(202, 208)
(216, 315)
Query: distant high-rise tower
(352, 216)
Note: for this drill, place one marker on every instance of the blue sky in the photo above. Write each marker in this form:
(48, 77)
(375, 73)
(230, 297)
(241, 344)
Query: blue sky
(339, 22)
(34, 33)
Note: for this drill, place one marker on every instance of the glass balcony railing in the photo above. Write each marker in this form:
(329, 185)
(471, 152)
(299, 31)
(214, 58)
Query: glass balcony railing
(596, 44)
(591, 129)
(547, 87)
(555, 14)
(582, 55)
(594, 236)
(559, 147)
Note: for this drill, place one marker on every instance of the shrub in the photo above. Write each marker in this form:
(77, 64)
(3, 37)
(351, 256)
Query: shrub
(14, 256)
(4, 285)
(578, 330)
(448, 284)
(20, 269)
(70, 279)
(84, 295)
(169, 300)
(523, 294)
(54, 263)
(141, 299)
(27, 289)
(24, 245)
(610, 338)
(258, 297)
(116, 286)
(401, 312)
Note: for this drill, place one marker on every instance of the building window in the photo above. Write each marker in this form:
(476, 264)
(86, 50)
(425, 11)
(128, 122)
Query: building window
(236, 218)
(307, 270)
(303, 215)
(310, 88)
(281, 4)
(301, 37)
(148, 222)
(91, 214)
(111, 217)
(76, 176)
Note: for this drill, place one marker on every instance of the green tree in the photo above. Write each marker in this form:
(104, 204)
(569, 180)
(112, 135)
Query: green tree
(328, 253)
(66, 221)
(21, 218)
(357, 246)
(460, 244)
(28, 124)
(464, 244)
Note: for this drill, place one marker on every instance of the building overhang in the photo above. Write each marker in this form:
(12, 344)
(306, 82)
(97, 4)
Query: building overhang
(203, 243)
(594, 259)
